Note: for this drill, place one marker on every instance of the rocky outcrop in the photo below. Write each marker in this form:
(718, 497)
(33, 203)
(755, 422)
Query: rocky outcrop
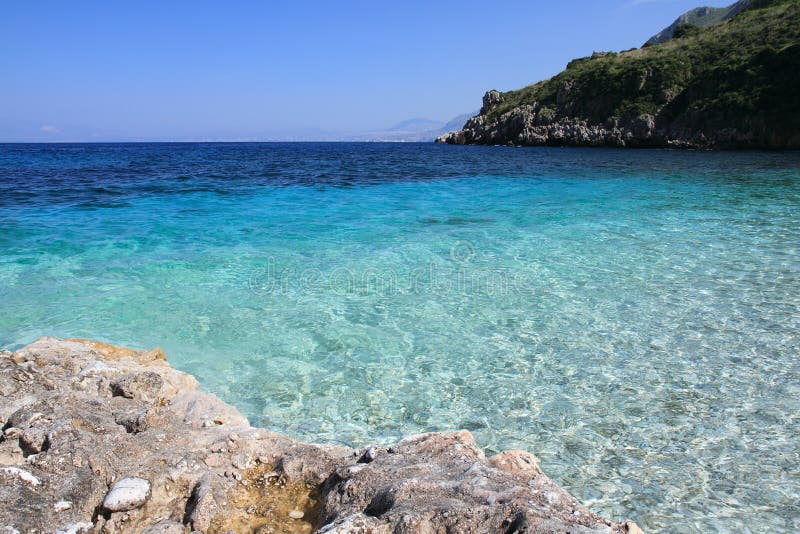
(491, 100)
(98, 438)
(540, 125)
(534, 124)
(690, 92)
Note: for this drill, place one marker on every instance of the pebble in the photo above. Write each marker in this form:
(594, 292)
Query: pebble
(127, 494)
(296, 514)
(60, 506)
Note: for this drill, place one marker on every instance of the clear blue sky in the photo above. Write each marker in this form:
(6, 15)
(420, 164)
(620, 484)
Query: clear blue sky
(172, 70)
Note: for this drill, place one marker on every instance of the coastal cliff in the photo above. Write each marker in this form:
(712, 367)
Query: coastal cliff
(731, 85)
(98, 438)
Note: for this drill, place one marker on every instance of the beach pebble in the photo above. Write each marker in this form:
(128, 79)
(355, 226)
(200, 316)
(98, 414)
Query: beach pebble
(127, 494)
(296, 514)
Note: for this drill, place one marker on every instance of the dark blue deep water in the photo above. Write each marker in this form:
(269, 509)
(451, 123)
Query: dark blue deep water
(632, 317)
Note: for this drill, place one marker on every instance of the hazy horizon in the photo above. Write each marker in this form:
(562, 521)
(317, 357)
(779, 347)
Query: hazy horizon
(249, 72)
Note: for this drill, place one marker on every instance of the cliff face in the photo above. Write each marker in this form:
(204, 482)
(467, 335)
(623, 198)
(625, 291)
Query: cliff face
(97, 438)
(732, 85)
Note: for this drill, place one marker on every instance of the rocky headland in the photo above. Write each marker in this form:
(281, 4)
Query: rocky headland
(98, 438)
(732, 84)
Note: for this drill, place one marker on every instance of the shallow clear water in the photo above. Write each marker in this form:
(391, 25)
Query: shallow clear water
(632, 317)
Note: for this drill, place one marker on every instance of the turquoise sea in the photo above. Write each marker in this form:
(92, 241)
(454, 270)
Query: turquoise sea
(631, 317)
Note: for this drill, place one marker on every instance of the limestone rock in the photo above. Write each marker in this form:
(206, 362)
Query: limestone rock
(145, 385)
(166, 527)
(127, 494)
(491, 100)
(86, 416)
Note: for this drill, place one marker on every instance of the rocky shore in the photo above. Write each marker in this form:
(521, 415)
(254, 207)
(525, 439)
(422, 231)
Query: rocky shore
(98, 438)
(539, 125)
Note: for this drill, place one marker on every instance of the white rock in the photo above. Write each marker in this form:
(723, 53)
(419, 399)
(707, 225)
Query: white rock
(96, 367)
(60, 506)
(25, 476)
(127, 494)
(296, 514)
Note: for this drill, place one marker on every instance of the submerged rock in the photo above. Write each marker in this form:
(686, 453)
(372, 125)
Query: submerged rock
(94, 414)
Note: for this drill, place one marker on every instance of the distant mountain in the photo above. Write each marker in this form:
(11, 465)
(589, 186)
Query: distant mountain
(414, 130)
(702, 17)
(730, 85)
(416, 125)
(456, 123)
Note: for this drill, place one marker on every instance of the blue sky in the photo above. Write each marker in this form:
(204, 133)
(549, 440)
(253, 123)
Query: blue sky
(174, 70)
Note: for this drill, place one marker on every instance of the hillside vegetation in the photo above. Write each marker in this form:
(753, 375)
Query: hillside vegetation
(700, 17)
(735, 84)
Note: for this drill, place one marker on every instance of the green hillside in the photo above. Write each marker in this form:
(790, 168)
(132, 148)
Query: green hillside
(701, 17)
(735, 84)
